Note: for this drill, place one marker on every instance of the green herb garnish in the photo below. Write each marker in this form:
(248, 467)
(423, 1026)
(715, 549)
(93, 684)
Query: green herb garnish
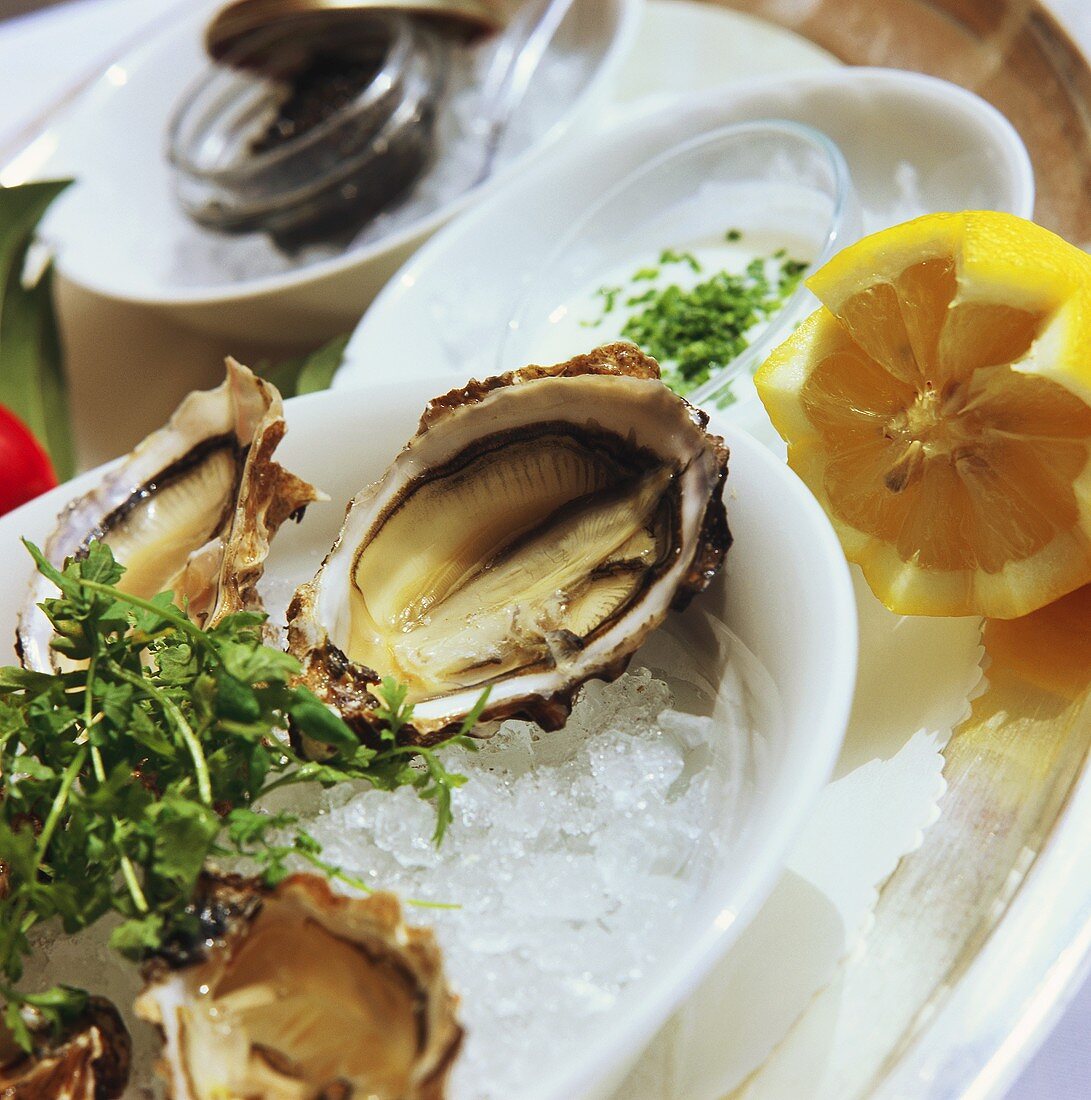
(124, 774)
(671, 256)
(698, 331)
(306, 373)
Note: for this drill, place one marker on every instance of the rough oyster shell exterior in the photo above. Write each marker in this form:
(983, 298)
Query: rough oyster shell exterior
(611, 396)
(89, 1061)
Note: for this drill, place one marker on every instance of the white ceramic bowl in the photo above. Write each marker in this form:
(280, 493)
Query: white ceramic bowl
(913, 144)
(120, 233)
(779, 183)
(785, 593)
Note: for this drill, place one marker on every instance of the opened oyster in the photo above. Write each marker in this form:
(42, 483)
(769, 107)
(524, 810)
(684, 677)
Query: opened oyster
(192, 509)
(88, 1061)
(298, 993)
(529, 536)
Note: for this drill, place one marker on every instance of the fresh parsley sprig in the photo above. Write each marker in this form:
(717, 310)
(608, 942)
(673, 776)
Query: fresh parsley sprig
(148, 755)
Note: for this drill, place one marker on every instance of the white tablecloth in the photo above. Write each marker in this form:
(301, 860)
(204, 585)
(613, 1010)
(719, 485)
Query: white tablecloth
(43, 55)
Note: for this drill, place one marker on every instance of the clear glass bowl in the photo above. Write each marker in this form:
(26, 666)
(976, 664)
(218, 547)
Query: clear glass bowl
(779, 184)
(254, 148)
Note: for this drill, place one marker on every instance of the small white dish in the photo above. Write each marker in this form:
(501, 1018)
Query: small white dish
(120, 232)
(785, 593)
(913, 144)
(780, 187)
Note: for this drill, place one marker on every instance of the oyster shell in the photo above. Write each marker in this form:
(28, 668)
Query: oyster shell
(89, 1061)
(193, 509)
(528, 538)
(298, 993)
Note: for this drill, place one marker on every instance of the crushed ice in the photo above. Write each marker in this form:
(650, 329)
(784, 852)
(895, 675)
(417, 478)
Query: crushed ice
(572, 857)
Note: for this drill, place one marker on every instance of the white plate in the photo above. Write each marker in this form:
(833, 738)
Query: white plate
(119, 232)
(913, 144)
(785, 593)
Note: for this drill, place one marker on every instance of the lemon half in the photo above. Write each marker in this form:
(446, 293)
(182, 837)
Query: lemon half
(939, 406)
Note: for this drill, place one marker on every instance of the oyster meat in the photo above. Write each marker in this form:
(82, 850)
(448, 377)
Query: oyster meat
(88, 1061)
(298, 993)
(192, 509)
(528, 538)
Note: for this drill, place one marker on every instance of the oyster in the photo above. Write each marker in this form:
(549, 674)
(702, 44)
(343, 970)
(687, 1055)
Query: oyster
(89, 1061)
(192, 509)
(528, 538)
(297, 993)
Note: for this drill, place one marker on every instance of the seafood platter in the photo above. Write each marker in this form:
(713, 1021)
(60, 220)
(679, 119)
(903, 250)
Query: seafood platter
(658, 614)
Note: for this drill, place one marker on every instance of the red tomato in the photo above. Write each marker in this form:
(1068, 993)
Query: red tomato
(25, 469)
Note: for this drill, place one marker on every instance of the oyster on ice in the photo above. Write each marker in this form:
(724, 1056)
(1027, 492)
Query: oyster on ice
(192, 509)
(529, 536)
(298, 993)
(89, 1060)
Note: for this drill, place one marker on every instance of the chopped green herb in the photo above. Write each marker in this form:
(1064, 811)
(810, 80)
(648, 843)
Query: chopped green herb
(149, 754)
(642, 299)
(756, 272)
(609, 296)
(698, 331)
(670, 256)
(791, 274)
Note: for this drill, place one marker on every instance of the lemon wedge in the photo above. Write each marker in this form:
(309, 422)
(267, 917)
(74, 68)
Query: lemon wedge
(939, 406)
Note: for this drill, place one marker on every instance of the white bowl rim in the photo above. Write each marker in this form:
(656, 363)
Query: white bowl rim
(315, 273)
(945, 95)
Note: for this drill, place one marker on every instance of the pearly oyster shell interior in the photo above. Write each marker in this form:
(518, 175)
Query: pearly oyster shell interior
(191, 509)
(298, 992)
(526, 539)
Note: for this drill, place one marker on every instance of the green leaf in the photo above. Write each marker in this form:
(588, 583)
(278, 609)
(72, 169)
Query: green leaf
(146, 733)
(13, 1020)
(184, 833)
(50, 572)
(137, 936)
(475, 713)
(247, 827)
(65, 997)
(21, 208)
(393, 710)
(252, 663)
(99, 564)
(307, 373)
(319, 723)
(236, 700)
(24, 679)
(32, 382)
(318, 369)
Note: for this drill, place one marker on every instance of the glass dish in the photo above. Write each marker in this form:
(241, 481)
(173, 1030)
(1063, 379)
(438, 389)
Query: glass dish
(308, 135)
(766, 185)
